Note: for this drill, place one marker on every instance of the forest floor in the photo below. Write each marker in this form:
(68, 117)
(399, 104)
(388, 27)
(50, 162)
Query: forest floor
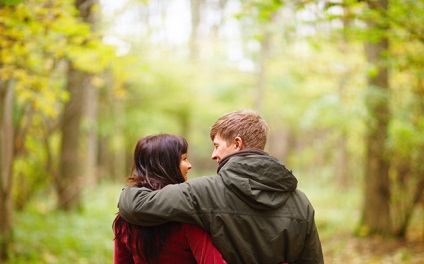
(337, 214)
(352, 250)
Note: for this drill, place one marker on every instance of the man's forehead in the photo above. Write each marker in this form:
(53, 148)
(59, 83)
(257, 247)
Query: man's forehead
(217, 139)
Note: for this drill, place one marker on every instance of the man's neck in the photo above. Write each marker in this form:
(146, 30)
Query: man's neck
(243, 152)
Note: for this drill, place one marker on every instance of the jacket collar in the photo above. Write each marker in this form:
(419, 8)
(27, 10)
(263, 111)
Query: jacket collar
(243, 153)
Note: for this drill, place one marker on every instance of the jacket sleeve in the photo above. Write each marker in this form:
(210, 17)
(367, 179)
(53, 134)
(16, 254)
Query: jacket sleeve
(312, 251)
(202, 247)
(175, 202)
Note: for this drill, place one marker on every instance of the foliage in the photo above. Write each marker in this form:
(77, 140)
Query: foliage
(38, 37)
(44, 235)
(261, 11)
(315, 89)
(10, 2)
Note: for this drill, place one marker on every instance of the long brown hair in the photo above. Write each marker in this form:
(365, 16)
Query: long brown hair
(155, 165)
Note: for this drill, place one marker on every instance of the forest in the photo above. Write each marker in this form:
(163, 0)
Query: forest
(339, 82)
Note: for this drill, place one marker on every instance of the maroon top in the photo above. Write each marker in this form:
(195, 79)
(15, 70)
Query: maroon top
(186, 244)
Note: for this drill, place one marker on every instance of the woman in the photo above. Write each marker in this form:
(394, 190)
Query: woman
(160, 160)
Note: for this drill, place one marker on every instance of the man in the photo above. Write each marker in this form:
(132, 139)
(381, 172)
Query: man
(251, 207)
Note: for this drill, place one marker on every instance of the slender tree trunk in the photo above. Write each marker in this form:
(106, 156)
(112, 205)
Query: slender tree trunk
(69, 180)
(6, 161)
(264, 54)
(77, 153)
(342, 170)
(119, 169)
(196, 7)
(218, 25)
(261, 71)
(376, 212)
(91, 103)
(279, 142)
(90, 170)
(343, 173)
(111, 148)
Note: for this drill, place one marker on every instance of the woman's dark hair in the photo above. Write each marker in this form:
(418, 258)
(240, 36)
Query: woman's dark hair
(155, 165)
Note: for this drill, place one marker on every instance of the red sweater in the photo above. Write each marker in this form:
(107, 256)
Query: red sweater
(186, 244)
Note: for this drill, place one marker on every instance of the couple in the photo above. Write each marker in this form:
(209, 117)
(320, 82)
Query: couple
(251, 208)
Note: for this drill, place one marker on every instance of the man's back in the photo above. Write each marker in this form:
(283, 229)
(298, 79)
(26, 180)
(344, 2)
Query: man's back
(251, 208)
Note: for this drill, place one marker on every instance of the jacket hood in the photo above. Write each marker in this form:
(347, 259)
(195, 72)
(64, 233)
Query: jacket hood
(258, 179)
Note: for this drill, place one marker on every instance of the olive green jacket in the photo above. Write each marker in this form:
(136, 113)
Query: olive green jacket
(251, 208)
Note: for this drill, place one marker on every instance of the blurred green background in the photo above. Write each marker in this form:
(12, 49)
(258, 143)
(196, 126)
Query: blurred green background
(340, 83)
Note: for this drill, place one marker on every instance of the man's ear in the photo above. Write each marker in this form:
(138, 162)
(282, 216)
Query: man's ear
(239, 143)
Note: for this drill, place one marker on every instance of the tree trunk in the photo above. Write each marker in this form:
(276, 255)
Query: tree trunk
(119, 170)
(78, 153)
(89, 16)
(6, 161)
(69, 180)
(90, 170)
(261, 71)
(376, 212)
(279, 143)
(418, 195)
(342, 170)
(221, 18)
(111, 161)
(195, 7)
(412, 167)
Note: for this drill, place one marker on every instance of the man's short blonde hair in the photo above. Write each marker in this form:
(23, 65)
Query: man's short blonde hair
(246, 124)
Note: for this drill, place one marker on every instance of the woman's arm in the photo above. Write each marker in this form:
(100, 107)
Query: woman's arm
(201, 245)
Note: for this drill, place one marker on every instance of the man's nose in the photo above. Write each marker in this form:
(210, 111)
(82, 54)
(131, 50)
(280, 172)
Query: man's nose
(213, 155)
